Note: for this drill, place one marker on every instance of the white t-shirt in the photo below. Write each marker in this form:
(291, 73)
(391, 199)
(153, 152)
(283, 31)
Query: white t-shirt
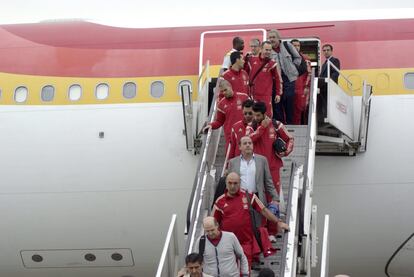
(226, 60)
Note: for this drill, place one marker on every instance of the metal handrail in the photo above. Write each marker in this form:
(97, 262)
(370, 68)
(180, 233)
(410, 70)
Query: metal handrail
(288, 216)
(337, 70)
(203, 34)
(310, 129)
(194, 206)
(325, 249)
(171, 234)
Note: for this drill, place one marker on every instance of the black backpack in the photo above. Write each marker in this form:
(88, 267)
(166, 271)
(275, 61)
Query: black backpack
(303, 67)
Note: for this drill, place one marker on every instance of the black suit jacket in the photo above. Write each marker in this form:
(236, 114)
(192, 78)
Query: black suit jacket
(334, 74)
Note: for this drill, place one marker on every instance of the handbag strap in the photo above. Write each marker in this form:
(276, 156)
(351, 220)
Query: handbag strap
(257, 72)
(252, 220)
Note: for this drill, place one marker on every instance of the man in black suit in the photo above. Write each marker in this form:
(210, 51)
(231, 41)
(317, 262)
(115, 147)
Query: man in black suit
(327, 52)
(334, 74)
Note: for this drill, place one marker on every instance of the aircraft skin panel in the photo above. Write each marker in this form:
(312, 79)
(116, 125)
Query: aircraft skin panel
(91, 50)
(369, 196)
(64, 187)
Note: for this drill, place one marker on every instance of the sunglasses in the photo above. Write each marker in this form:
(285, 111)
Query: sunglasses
(248, 113)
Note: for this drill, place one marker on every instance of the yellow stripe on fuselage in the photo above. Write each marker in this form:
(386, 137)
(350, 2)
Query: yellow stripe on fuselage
(34, 84)
(384, 81)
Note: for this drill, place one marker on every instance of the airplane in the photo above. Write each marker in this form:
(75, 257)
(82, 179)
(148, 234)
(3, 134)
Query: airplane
(96, 157)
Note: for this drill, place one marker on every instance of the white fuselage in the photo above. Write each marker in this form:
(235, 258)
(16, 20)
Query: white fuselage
(369, 196)
(66, 192)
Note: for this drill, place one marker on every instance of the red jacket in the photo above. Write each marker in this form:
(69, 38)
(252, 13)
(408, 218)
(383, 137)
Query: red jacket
(303, 81)
(239, 80)
(233, 214)
(263, 139)
(262, 85)
(238, 130)
(229, 111)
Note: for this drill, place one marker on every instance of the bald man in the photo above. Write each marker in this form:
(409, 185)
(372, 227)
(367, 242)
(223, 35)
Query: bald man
(229, 110)
(221, 251)
(232, 212)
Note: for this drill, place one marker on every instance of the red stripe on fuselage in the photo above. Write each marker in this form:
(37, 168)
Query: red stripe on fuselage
(92, 50)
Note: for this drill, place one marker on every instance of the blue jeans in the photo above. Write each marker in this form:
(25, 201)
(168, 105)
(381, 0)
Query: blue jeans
(283, 111)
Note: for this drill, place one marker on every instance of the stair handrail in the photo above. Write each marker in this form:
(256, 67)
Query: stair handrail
(288, 250)
(169, 261)
(194, 209)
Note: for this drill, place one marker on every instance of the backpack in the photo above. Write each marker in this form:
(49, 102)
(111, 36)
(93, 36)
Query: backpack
(303, 67)
(202, 245)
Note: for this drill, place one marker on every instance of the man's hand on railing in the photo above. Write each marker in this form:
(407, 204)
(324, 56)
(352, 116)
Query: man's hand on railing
(206, 128)
(283, 226)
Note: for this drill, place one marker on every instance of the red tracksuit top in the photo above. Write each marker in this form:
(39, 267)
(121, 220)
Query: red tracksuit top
(263, 83)
(263, 139)
(233, 214)
(238, 130)
(229, 111)
(239, 80)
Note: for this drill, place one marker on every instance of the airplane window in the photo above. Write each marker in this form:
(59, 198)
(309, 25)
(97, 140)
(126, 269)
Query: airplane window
(20, 94)
(130, 90)
(186, 84)
(75, 92)
(157, 89)
(48, 93)
(102, 91)
(409, 80)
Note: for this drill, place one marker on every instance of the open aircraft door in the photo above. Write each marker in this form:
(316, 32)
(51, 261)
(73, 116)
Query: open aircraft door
(341, 133)
(197, 113)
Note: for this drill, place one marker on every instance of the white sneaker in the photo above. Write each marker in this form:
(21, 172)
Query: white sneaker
(272, 238)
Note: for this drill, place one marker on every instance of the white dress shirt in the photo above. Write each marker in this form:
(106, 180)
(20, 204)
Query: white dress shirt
(248, 175)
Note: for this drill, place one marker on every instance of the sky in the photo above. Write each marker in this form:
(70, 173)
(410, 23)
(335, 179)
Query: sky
(163, 13)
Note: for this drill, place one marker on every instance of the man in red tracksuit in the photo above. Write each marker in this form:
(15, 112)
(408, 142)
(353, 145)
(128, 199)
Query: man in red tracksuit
(302, 86)
(238, 130)
(229, 110)
(263, 71)
(235, 75)
(264, 136)
(232, 212)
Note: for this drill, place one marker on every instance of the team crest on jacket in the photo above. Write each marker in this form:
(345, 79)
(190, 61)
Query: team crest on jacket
(272, 133)
(232, 78)
(244, 199)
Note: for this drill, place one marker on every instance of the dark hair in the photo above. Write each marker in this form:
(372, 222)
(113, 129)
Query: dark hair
(248, 103)
(294, 40)
(265, 42)
(259, 107)
(237, 40)
(266, 272)
(328, 45)
(234, 56)
(194, 258)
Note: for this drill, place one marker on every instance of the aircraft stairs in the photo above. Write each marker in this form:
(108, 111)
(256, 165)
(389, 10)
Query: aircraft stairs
(293, 248)
(296, 253)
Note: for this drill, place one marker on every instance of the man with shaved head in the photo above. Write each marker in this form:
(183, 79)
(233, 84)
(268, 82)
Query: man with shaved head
(221, 251)
(232, 212)
(229, 110)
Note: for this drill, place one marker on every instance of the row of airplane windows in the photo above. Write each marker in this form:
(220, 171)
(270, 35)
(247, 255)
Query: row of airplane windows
(129, 91)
